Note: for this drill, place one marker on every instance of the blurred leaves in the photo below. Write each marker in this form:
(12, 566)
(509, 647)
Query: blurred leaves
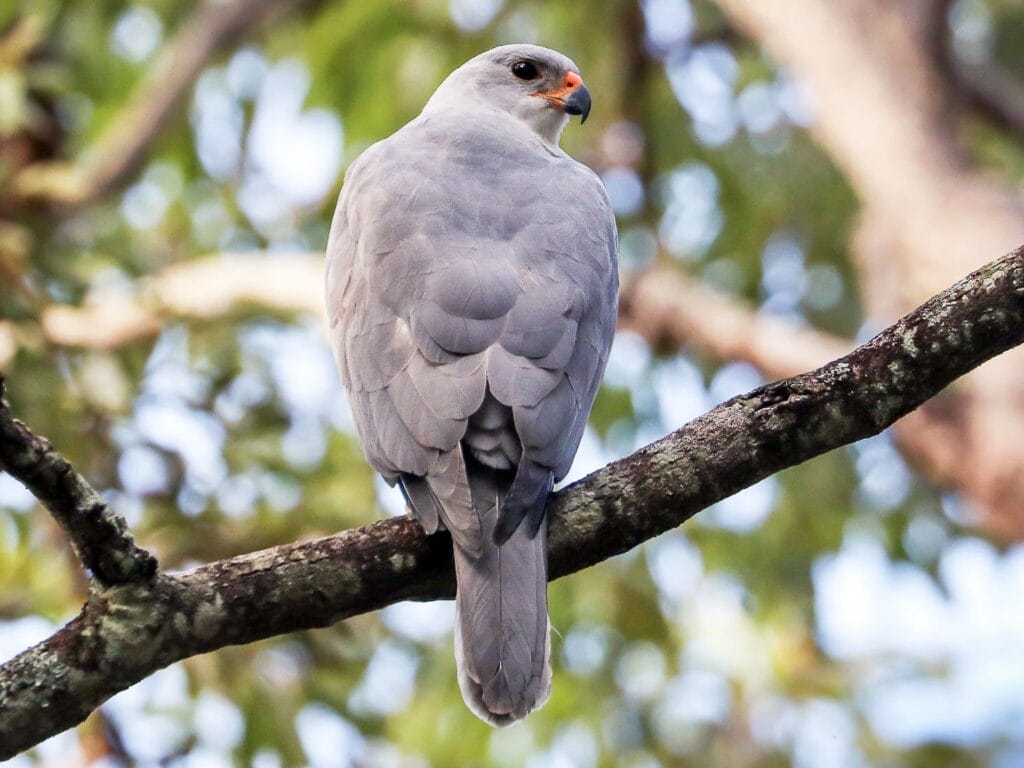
(230, 435)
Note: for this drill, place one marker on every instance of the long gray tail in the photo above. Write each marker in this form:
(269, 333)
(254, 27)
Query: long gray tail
(502, 642)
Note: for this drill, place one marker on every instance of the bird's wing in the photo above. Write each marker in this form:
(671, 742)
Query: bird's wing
(461, 261)
(556, 344)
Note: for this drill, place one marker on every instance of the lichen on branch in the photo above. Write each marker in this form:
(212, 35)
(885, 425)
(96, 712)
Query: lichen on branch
(128, 631)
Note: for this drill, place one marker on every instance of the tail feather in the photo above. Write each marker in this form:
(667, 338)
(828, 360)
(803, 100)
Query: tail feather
(502, 641)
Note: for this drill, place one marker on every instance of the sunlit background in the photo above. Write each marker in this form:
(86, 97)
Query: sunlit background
(844, 613)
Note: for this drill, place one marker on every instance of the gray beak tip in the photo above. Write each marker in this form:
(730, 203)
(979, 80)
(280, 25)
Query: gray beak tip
(578, 103)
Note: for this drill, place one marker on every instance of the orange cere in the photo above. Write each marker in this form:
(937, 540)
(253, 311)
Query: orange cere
(571, 82)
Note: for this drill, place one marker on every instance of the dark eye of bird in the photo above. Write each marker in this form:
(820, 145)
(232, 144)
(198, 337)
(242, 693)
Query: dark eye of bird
(525, 70)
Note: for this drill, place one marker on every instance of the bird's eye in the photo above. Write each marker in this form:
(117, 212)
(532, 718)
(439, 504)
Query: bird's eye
(525, 70)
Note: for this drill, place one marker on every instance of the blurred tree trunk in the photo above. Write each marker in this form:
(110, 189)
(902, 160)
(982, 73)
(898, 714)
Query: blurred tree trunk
(882, 110)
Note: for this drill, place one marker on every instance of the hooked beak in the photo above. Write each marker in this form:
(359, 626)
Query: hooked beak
(578, 103)
(573, 98)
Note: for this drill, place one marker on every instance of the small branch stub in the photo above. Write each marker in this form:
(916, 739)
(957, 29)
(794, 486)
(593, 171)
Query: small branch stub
(100, 536)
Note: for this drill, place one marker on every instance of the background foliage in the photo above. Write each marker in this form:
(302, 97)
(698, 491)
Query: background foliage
(842, 614)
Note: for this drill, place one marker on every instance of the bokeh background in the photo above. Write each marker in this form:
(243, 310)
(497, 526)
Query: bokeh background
(788, 177)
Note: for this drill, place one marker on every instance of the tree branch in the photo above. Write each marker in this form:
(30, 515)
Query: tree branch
(883, 112)
(99, 535)
(669, 309)
(197, 290)
(123, 145)
(126, 632)
(200, 289)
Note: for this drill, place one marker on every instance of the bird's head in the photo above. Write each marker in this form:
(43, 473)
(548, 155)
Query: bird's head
(539, 86)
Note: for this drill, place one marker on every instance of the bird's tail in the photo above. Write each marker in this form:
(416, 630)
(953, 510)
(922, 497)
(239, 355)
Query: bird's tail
(502, 641)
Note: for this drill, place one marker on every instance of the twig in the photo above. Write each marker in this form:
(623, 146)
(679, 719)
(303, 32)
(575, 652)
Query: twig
(125, 633)
(99, 535)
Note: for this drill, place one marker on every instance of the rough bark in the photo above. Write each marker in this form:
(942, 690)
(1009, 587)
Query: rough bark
(126, 632)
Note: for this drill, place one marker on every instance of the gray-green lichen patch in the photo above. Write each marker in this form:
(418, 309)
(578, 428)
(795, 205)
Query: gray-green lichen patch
(402, 562)
(208, 619)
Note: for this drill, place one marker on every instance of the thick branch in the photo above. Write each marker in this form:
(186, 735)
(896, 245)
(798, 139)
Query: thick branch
(125, 633)
(99, 535)
(669, 309)
(200, 289)
(122, 147)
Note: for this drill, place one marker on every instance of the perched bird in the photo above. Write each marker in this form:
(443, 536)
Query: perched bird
(471, 293)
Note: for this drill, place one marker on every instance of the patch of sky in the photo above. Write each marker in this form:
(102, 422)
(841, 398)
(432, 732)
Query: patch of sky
(474, 15)
(304, 377)
(721, 636)
(573, 746)
(590, 457)
(693, 218)
(772, 720)
(824, 287)
(703, 80)
(679, 386)
(218, 121)
(628, 360)
(283, 664)
(795, 100)
(420, 622)
(640, 672)
(623, 731)
(245, 73)
(869, 607)
(146, 202)
(389, 497)
(973, 30)
(783, 276)
(826, 736)
(18, 634)
(328, 739)
(744, 511)
(585, 648)
(149, 715)
(733, 379)
(669, 23)
(676, 567)
(142, 470)
(760, 110)
(519, 26)
(389, 682)
(294, 155)
(625, 190)
(885, 481)
(14, 496)
(196, 436)
(136, 34)
(692, 701)
(217, 723)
